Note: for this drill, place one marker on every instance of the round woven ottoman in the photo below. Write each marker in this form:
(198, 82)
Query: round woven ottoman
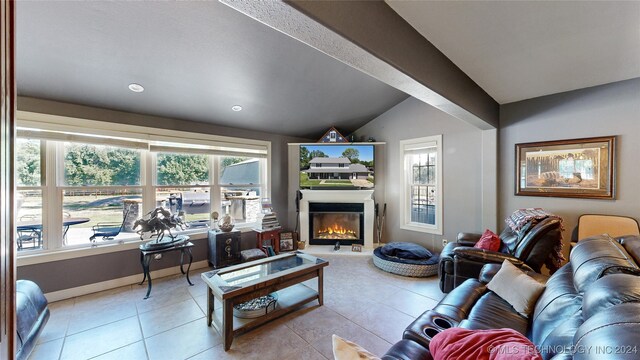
(397, 262)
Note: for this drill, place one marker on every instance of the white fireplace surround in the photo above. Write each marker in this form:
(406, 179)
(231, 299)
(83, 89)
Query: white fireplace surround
(364, 197)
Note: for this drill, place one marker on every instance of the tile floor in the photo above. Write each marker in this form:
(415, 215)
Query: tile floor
(362, 303)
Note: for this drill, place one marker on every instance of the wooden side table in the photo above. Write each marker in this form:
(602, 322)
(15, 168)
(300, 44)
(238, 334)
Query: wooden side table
(268, 237)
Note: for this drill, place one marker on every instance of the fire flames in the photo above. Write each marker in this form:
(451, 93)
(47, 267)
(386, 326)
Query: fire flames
(336, 231)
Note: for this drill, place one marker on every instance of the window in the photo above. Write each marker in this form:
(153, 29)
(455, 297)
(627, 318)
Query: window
(241, 187)
(96, 181)
(29, 197)
(182, 185)
(422, 184)
(104, 178)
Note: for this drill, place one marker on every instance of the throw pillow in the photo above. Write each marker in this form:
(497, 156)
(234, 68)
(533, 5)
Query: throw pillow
(488, 241)
(494, 344)
(517, 288)
(347, 350)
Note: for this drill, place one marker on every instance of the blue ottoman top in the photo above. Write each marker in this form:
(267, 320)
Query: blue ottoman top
(405, 250)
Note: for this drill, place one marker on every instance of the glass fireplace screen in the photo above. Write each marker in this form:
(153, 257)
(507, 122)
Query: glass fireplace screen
(336, 226)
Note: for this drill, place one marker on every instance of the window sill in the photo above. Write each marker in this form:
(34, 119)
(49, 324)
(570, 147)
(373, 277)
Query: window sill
(422, 228)
(103, 247)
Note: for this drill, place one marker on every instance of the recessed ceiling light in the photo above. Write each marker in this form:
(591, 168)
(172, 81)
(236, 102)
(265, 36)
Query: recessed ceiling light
(136, 87)
(236, 108)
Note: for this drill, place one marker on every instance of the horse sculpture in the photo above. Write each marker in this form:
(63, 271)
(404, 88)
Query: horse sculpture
(160, 221)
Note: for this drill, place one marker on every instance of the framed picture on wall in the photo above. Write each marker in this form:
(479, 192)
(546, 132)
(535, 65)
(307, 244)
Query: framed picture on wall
(286, 241)
(576, 168)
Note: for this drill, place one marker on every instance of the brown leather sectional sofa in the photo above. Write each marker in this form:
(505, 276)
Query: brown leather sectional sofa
(590, 308)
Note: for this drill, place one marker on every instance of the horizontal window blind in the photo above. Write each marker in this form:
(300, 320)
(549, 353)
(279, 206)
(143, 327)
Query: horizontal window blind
(202, 147)
(177, 149)
(80, 138)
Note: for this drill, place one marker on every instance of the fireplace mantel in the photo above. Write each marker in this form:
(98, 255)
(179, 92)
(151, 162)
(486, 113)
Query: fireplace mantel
(339, 196)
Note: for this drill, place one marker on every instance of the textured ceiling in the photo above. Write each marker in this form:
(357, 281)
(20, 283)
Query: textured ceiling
(195, 60)
(517, 50)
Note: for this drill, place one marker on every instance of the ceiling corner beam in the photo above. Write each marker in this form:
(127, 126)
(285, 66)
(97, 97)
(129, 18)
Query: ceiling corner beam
(371, 37)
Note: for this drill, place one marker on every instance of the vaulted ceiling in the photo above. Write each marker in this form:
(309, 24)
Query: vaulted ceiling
(517, 50)
(195, 60)
(198, 59)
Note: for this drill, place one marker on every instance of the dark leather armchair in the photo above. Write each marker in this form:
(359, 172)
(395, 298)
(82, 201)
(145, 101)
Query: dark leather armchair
(529, 249)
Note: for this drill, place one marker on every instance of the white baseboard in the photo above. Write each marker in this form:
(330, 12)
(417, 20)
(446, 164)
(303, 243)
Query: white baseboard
(115, 283)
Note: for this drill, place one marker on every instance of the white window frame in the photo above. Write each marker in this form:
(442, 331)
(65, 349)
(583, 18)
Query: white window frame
(412, 145)
(43, 188)
(53, 187)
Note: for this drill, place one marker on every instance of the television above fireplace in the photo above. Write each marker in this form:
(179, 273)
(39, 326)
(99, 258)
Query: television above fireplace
(337, 166)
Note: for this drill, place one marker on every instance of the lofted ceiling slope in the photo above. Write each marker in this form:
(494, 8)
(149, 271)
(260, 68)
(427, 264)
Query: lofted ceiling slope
(196, 60)
(517, 50)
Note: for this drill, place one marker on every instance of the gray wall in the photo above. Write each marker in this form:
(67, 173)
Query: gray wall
(59, 275)
(461, 144)
(66, 274)
(611, 109)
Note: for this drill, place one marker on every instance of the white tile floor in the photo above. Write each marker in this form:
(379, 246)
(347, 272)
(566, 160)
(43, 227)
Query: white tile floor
(362, 303)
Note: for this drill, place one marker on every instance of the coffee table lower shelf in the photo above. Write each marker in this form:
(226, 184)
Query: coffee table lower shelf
(289, 300)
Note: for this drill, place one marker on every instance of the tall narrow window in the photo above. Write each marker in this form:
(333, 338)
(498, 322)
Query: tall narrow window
(29, 170)
(422, 184)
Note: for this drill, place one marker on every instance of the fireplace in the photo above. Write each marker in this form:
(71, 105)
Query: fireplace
(333, 222)
(342, 200)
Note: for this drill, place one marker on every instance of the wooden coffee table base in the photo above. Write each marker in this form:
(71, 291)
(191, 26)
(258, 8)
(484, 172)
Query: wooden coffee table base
(292, 294)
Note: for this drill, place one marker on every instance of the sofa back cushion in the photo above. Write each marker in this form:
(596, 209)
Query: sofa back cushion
(591, 256)
(560, 339)
(609, 291)
(632, 245)
(534, 242)
(610, 334)
(559, 301)
(493, 312)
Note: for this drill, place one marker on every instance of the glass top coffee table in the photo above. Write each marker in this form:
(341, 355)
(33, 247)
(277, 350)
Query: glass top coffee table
(233, 285)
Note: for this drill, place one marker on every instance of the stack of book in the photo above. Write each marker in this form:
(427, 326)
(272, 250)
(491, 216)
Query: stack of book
(269, 222)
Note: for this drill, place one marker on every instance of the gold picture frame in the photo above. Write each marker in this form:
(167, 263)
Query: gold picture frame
(574, 168)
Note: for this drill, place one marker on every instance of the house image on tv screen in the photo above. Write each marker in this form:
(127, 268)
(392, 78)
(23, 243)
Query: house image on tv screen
(328, 171)
(336, 168)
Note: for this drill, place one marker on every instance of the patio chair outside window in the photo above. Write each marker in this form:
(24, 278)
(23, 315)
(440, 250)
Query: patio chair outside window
(108, 231)
(29, 237)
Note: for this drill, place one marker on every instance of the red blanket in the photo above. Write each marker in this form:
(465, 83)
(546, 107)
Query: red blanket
(496, 344)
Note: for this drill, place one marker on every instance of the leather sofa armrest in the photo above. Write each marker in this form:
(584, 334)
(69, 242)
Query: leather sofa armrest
(486, 256)
(468, 239)
(447, 251)
(488, 272)
(426, 326)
